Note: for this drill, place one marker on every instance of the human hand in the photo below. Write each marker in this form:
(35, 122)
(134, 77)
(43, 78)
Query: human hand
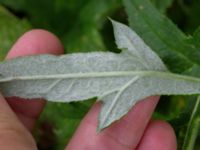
(134, 131)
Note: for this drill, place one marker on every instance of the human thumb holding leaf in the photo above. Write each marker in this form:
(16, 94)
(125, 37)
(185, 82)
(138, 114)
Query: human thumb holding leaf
(18, 116)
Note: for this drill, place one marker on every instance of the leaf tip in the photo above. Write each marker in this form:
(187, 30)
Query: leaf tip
(99, 129)
(113, 21)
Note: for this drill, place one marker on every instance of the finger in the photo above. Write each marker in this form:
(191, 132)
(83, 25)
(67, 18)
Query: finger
(13, 135)
(158, 135)
(36, 42)
(32, 43)
(122, 135)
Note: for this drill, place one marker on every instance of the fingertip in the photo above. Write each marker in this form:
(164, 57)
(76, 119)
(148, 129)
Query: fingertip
(36, 41)
(158, 135)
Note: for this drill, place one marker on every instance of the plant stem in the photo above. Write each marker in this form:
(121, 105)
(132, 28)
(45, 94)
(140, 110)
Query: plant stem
(192, 129)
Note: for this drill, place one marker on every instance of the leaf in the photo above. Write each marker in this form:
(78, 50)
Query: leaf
(195, 42)
(161, 35)
(11, 29)
(141, 53)
(119, 80)
(162, 5)
(196, 37)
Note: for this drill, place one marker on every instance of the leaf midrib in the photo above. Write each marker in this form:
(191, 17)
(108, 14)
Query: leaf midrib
(101, 75)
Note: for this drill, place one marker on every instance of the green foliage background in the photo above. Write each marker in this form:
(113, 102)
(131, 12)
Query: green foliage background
(82, 25)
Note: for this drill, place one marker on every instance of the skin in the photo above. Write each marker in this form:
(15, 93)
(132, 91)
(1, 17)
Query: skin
(134, 131)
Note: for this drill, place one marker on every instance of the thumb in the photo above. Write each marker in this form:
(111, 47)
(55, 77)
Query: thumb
(13, 135)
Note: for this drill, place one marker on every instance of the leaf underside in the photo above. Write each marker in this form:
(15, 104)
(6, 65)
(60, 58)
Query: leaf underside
(118, 80)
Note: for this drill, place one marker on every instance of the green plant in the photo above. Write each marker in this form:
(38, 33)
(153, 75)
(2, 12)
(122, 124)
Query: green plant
(179, 51)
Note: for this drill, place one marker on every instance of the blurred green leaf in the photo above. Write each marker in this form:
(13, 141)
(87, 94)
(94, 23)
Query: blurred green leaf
(11, 29)
(196, 37)
(195, 42)
(161, 35)
(162, 5)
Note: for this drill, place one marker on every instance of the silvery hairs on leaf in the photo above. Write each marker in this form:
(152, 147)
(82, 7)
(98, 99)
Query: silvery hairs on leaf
(118, 80)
